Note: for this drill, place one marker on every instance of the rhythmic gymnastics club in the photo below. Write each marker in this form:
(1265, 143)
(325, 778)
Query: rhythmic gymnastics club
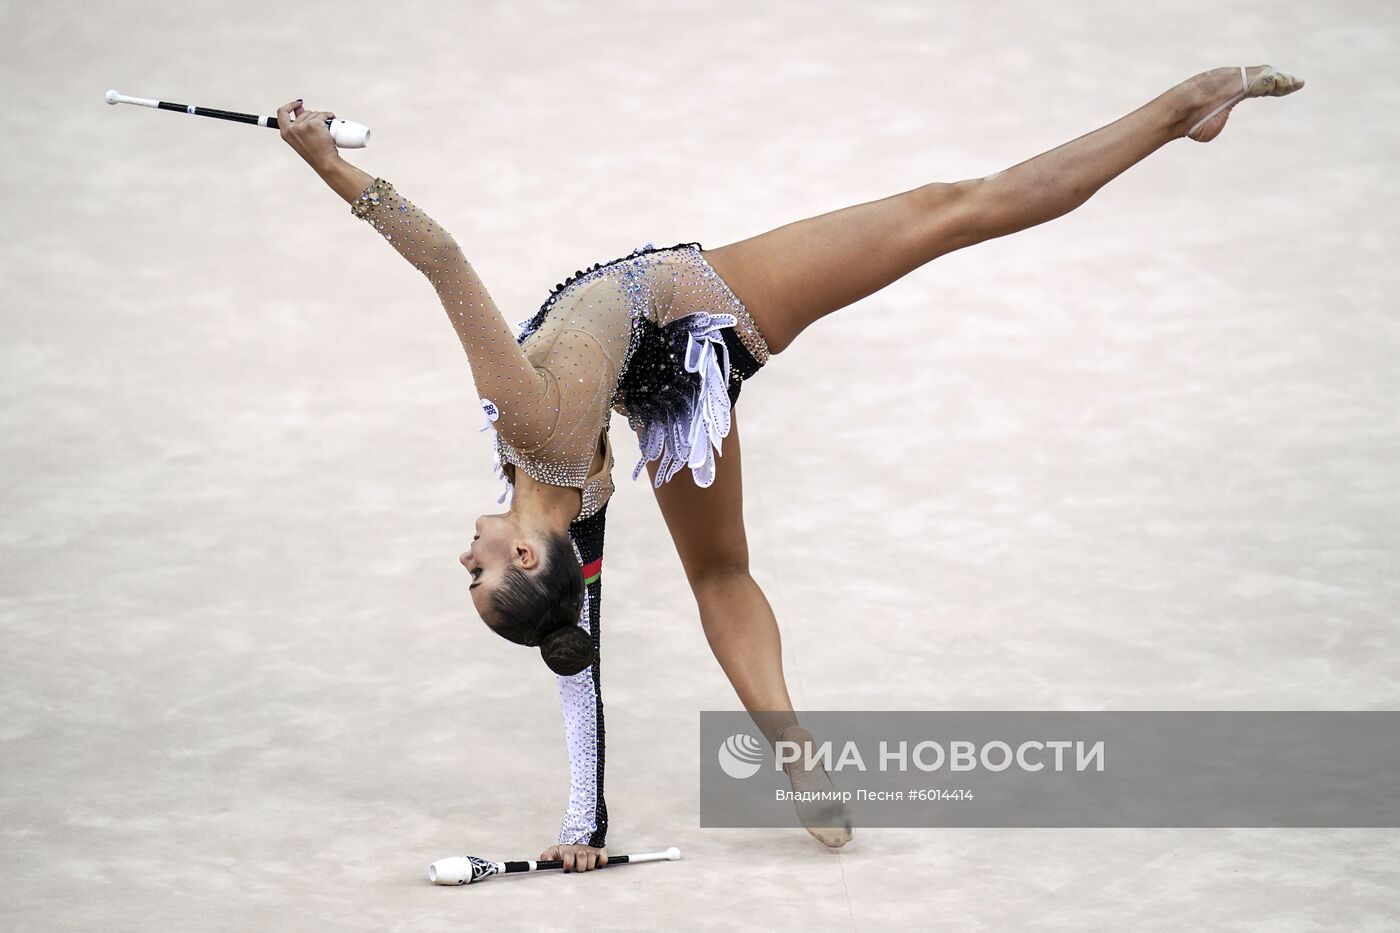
(466, 869)
(347, 134)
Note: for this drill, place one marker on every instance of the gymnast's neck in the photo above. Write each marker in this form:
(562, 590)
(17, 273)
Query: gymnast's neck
(544, 506)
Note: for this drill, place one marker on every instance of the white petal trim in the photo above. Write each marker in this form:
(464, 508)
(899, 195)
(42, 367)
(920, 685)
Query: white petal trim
(696, 438)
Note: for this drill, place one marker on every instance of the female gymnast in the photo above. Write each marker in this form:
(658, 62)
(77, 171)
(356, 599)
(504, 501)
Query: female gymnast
(666, 337)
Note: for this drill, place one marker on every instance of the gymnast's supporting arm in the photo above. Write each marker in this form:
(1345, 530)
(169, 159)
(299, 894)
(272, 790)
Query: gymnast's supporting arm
(581, 701)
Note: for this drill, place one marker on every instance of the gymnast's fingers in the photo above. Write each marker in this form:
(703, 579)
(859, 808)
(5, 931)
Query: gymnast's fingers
(284, 117)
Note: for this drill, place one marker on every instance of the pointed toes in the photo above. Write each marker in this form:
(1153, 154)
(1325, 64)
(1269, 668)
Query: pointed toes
(1274, 83)
(1287, 84)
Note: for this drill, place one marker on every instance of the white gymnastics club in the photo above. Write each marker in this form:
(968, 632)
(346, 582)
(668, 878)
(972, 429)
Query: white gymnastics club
(346, 133)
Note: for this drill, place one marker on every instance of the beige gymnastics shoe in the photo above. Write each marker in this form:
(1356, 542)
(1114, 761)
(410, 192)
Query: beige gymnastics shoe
(1267, 83)
(827, 820)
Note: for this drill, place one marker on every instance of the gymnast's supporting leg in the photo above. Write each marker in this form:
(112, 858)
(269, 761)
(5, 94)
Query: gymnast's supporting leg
(794, 275)
(707, 526)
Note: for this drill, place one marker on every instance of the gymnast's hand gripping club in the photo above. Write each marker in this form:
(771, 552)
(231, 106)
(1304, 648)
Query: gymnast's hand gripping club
(346, 133)
(466, 869)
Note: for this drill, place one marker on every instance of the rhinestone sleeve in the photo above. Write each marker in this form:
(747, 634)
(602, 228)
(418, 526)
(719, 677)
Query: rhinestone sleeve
(502, 372)
(581, 699)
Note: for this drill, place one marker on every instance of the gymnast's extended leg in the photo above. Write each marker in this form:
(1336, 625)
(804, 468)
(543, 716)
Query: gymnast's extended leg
(790, 277)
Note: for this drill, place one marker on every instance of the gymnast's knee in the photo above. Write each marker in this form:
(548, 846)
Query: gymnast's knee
(940, 196)
(948, 213)
(719, 573)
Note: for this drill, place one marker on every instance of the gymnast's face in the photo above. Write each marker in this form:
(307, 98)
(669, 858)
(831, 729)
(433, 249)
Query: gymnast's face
(499, 542)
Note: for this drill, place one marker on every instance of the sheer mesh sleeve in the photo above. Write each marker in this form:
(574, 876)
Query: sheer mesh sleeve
(500, 369)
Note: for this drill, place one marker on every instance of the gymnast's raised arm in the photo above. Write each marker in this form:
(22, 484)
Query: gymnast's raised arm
(500, 369)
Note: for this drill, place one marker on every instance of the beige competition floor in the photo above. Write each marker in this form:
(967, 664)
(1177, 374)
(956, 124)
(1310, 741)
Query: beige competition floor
(1142, 457)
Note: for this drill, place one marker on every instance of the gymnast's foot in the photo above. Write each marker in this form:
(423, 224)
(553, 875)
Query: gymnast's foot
(1216, 92)
(829, 821)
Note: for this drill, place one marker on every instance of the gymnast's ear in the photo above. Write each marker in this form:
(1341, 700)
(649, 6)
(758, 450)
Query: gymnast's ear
(525, 555)
(567, 650)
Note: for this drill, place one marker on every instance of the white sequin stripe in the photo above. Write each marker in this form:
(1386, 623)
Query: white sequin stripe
(578, 702)
(492, 413)
(694, 440)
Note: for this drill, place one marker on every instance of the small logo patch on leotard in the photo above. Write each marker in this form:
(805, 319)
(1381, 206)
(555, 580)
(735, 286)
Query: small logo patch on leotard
(592, 570)
(490, 408)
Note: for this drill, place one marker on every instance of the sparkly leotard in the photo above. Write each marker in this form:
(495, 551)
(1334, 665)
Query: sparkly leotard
(657, 336)
(548, 393)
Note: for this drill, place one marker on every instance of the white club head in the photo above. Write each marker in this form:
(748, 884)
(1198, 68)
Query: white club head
(454, 870)
(349, 134)
(672, 854)
(112, 97)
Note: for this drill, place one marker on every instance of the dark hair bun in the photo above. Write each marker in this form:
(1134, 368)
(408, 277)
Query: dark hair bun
(567, 650)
